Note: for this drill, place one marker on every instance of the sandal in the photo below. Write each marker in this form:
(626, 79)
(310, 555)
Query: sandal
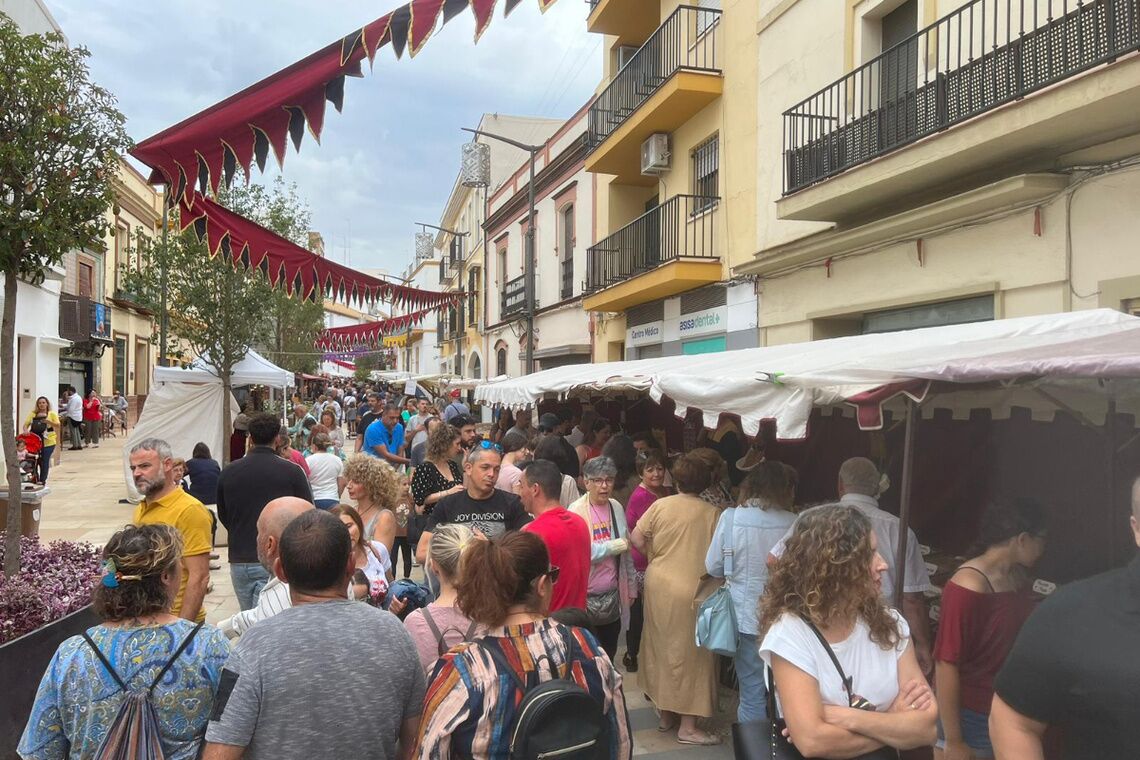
(708, 740)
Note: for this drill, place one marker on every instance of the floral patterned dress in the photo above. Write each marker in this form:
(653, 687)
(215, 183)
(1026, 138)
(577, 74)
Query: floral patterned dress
(78, 699)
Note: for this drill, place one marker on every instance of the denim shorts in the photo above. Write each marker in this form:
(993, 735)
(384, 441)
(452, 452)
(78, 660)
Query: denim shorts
(975, 732)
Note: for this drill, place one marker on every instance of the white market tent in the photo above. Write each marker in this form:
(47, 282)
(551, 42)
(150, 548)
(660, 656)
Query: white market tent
(1054, 361)
(185, 406)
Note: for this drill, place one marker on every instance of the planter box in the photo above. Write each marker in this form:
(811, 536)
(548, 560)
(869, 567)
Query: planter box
(22, 665)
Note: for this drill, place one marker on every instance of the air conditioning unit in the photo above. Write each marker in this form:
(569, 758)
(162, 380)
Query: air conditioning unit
(625, 53)
(655, 156)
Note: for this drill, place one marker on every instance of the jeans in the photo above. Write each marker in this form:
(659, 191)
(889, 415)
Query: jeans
(325, 503)
(45, 462)
(750, 674)
(975, 732)
(248, 579)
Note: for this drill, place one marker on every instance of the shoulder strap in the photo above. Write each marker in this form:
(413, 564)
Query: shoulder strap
(831, 653)
(979, 572)
(729, 551)
(470, 634)
(177, 653)
(434, 630)
(103, 660)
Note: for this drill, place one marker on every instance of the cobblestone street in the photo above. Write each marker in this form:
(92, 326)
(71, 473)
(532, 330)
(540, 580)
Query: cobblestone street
(84, 506)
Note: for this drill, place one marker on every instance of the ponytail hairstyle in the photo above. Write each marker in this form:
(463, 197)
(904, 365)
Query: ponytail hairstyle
(499, 573)
(448, 543)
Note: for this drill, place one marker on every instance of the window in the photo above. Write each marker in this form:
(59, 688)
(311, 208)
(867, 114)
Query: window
(502, 273)
(567, 252)
(121, 363)
(963, 311)
(706, 174)
(705, 21)
(122, 241)
(472, 297)
(501, 361)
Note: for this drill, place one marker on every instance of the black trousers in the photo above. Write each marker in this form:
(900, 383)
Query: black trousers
(636, 623)
(403, 545)
(607, 635)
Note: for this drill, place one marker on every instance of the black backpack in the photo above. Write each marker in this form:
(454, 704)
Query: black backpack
(556, 718)
(135, 733)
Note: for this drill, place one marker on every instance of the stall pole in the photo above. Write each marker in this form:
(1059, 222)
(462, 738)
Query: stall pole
(912, 415)
(1110, 465)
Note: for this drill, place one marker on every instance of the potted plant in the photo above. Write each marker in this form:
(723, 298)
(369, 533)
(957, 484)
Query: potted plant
(46, 602)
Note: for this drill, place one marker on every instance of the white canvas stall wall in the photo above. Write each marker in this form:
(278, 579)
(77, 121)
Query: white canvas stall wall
(182, 414)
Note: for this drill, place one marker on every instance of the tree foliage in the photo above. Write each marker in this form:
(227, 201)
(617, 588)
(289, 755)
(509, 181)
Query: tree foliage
(61, 136)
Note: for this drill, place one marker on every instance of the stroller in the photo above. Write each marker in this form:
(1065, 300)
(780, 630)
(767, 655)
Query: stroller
(30, 464)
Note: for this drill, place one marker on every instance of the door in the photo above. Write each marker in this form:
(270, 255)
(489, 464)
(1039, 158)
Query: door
(898, 75)
(142, 367)
(651, 244)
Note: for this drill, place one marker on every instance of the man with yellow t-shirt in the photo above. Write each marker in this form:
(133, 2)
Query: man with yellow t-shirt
(152, 467)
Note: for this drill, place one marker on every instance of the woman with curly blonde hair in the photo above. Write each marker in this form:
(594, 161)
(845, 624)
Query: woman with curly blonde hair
(845, 673)
(375, 487)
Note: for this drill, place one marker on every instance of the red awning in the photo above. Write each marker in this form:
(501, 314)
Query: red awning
(208, 147)
(291, 267)
(370, 334)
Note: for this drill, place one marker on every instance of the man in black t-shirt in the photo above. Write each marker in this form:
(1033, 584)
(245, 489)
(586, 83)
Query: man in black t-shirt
(1074, 667)
(480, 506)
(372, 412)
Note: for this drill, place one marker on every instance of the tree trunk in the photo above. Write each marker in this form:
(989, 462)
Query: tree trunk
(227, 421)
(8, 425)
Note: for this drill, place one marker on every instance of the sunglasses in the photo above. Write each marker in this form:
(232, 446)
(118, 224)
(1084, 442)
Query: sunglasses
(553, 573)
(485, 444)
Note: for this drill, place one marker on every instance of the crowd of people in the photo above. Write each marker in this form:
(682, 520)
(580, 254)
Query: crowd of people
(541, 545)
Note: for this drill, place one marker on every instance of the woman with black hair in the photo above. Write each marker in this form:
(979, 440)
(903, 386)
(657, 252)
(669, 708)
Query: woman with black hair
(984, 606)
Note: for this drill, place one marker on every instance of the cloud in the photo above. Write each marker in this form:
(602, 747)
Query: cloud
(391, 158)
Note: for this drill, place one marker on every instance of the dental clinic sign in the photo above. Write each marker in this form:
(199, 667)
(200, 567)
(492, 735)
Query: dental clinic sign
(707, 322)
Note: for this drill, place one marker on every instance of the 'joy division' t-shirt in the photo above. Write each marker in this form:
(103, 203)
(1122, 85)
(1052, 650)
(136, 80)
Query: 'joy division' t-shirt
(492, 516)
(282, 691)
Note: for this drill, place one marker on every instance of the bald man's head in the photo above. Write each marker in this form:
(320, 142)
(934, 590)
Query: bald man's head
(271, 523)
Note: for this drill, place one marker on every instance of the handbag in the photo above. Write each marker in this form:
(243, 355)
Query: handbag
(765, 740)
(716, 615)
(605, 608)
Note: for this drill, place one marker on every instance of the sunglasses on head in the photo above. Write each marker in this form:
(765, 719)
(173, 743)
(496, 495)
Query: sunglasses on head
(485, 444)
(553, 573)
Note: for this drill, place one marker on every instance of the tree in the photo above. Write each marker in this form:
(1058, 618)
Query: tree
(293, 322)
(219, 310)
(61, 136)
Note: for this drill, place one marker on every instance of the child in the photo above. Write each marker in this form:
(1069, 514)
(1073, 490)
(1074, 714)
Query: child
(404, 511)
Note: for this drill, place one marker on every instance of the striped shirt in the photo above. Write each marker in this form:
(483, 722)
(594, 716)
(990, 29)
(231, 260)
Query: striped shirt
(274, 598)
(466, 713)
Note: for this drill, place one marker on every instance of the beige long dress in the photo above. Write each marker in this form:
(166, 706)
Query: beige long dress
(677, 675)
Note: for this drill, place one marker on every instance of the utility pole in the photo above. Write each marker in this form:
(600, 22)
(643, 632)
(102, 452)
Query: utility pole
(163, 320)
(528, 243)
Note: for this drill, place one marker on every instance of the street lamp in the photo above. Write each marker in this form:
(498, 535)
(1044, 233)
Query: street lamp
(528, 263)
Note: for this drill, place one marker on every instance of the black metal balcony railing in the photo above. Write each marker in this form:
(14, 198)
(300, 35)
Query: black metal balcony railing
(983, 55)
(513, 298)
(685, 42)
(567, 290)
(680, 228)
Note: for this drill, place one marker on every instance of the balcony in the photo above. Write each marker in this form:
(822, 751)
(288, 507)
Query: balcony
(512, 301)
(843, 145)
(667, 81)
(82, 320)
(631, 21)
(665, 251)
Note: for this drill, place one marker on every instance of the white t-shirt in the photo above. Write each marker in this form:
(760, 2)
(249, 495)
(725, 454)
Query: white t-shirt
(873, 670)
(324, 469)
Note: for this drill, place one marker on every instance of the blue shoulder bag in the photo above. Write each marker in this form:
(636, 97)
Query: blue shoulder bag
(716, 616)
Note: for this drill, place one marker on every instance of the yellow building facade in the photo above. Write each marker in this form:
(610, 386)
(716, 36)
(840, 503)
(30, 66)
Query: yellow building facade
(672, 147)
(919, 167)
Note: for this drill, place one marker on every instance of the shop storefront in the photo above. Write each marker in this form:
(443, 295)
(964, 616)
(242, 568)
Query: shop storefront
(704, 321)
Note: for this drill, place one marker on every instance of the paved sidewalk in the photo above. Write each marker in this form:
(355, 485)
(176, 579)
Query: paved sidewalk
(84, 506)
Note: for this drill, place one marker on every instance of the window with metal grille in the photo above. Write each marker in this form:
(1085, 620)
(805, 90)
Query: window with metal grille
(645, 313)
(501, 362)
(121, 364)
(706, 173)
(472, 294)
(567, 252)
(704, 298)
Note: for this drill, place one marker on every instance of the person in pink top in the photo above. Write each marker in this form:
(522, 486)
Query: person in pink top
(285, 450)
(566, 535)
(652, 469)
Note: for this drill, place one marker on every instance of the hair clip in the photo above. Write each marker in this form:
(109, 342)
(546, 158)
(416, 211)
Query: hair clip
(110, 573)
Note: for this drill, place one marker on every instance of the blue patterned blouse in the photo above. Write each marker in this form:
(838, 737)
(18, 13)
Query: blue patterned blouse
(78, 699)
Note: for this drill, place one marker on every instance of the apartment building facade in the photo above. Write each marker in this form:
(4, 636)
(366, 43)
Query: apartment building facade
(928, 162)
(461, 244)
(673, 148)
(564, 228)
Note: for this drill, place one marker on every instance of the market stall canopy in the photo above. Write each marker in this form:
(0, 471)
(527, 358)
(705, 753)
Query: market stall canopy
(784, 383)
(254, 369)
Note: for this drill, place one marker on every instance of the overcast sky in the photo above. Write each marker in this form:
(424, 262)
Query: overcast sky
(391, 157)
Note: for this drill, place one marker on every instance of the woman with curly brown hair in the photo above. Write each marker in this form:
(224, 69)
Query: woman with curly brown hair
(439, 475)
(846, 676)
(89, 675)
(674, 535)
(375, 487)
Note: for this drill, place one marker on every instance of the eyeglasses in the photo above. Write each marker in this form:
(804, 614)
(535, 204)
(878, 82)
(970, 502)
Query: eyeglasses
(601, 481)
(485, 444)
(553, 573)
